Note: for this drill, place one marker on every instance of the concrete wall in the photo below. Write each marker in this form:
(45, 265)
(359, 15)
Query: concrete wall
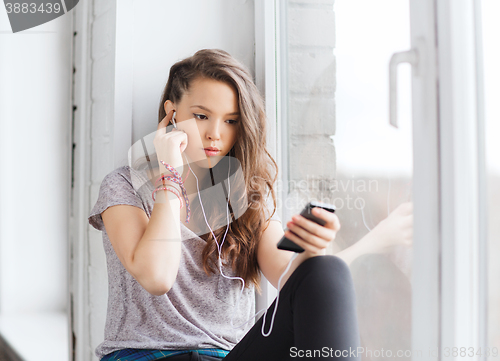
(311, 98)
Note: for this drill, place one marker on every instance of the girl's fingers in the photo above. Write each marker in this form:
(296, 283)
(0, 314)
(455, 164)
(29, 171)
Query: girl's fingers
(310, 235)
(332, 221)
(165, 121)
(305, 245)
(324, 232)
(320, 240)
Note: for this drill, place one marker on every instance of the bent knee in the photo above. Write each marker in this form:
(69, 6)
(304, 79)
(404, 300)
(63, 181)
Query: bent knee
(324, 275)
(325, 268)
(326, 264)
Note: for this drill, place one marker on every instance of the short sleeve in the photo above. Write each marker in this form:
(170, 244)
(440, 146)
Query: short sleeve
(116, 188)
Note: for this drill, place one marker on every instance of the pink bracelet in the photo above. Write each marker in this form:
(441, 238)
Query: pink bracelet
(177, 179)
(169, 178)
(172, 178)
(173, 190)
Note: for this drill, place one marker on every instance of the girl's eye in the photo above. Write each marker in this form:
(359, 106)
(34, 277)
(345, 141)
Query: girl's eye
(203, 117)
(200, 116)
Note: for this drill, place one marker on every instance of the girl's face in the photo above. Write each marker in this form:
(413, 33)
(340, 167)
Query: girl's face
(209, 114)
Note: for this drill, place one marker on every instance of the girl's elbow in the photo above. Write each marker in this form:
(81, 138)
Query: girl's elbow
(158, 291)
(160, 285)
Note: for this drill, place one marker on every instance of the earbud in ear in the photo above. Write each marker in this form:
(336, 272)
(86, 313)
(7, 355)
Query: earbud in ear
(173, 120)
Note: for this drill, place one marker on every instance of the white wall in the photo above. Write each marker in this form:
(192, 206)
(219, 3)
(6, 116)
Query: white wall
(35, 120)
(35, 177)
(175, 30)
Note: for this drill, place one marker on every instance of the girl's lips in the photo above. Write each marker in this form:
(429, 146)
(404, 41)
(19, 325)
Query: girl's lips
(211, 153)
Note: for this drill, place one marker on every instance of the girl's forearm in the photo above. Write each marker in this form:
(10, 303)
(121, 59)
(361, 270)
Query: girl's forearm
(157, 255)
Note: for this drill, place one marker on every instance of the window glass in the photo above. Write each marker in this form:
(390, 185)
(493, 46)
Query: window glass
(341, 149)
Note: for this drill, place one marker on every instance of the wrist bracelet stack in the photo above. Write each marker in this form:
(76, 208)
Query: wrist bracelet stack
(176, 178)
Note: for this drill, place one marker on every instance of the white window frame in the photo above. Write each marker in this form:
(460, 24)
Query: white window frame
(426, 205)
(266, 75)
(463, 227)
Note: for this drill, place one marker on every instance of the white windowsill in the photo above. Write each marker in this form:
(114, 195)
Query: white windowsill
(37, 336)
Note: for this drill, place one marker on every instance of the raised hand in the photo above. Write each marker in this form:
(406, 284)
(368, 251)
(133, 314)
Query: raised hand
(169, 146)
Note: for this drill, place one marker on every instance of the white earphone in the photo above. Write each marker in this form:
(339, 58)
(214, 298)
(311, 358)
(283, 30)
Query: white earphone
(173, 120)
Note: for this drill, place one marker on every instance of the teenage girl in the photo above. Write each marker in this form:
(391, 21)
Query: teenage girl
(184, 262)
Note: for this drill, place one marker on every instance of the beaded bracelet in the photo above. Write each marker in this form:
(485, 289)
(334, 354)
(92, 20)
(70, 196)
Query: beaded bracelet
(171, 178)
(161, 181)
(178, 179)
(171, 189)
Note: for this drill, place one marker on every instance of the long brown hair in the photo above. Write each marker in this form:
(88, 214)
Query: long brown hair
(258, 168)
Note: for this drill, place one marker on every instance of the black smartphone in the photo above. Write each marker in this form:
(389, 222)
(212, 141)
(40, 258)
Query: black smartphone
(287, 244)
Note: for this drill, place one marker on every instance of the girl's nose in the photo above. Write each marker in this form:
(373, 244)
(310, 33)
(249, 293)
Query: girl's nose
(213, 131)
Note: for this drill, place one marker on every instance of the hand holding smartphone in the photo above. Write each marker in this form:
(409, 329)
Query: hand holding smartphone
(286, 244)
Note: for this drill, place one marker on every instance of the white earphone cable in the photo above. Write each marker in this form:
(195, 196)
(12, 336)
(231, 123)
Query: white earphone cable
(219, 248)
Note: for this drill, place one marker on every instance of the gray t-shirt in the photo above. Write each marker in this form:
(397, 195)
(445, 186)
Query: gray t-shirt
(196, 312)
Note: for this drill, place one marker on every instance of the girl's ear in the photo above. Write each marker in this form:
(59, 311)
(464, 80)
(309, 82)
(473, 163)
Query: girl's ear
(168, 106)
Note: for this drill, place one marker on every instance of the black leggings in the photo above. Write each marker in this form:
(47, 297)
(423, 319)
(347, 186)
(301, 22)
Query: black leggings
(316, 318)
